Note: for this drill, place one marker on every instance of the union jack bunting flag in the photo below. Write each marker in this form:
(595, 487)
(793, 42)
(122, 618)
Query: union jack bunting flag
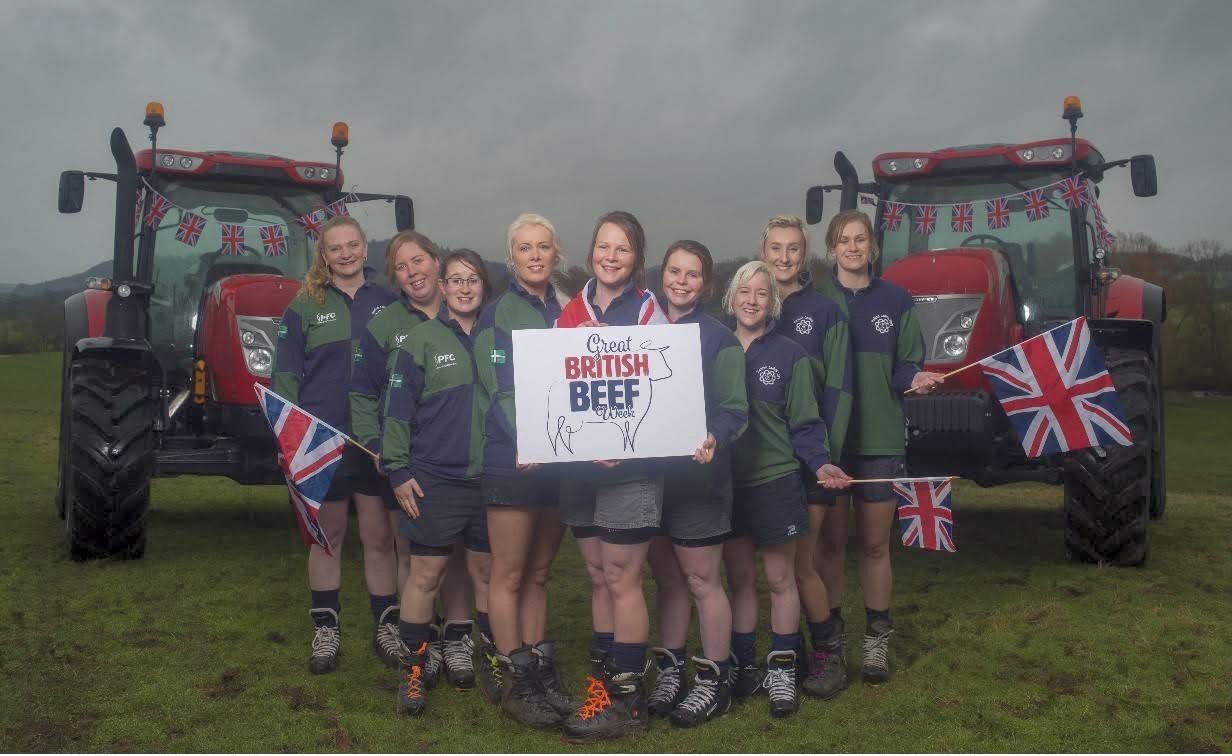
(1037, 205)
(998, 212)
(867, 200)
(274, 241)
(312, 223)
(961, 216)
(1057, 393)
(925, 219)
(157, 210)
(925, 517)
(232, 239)
(1074, 192)
(892, 216)
(311, 454)
(190, 228)
(337, 209)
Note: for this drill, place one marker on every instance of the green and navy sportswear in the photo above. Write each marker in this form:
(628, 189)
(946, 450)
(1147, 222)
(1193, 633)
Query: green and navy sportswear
(387, 329)
(434, 405)
(515, 309)
(316, 345)
(887, 350)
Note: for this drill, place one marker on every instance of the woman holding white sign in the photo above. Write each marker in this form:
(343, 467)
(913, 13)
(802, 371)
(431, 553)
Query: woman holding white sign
(616, 509)
(769, 511)
(697, 503)
(524, 527)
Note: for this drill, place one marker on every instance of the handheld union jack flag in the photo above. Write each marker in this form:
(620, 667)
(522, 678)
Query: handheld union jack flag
(998, 212)
(1057, 393)
(190, 228)
(925, 219)
(232, 239)
(274, 241)
(337, 209)
(925, 516)
(1037, 205)
(892, 216)
(311, 454)
(157, 210)
(1074, 192)
(961, 216)
(312, 223)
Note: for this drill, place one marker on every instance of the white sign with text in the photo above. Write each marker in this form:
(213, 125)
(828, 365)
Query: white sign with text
(620, 392)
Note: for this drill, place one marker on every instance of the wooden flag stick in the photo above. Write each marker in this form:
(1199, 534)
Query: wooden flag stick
(952, 372)
(362, 448)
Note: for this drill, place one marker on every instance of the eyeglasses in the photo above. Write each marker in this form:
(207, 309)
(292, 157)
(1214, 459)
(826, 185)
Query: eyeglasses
(457, 282)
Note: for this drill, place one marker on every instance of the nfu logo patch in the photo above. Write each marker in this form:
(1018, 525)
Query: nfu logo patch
(883, 323)
(804, 325)
(445, 360)
(326, 317)
(768, 375)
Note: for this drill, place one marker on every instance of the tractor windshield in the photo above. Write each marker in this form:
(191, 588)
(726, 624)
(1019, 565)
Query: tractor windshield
(191, 253)
(1040, 252)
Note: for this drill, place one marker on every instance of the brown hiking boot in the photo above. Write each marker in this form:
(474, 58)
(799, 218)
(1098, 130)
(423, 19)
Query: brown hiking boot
(614, 708)
(411, 689)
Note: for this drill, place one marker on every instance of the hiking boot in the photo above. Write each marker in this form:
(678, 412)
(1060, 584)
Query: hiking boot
(549, 679)
(491, 673)
(780, 683)
(827, 670)
(597, 659)
(522, 697)
(435, 661)
(615, 707)
(670, 687)
(411, 690)
(326, 642)
(459, 653)
(745, 680)
(876, 666)
(708, 698)
(386, 642)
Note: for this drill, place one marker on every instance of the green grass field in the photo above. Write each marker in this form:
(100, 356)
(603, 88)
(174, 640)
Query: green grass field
(1004, 646)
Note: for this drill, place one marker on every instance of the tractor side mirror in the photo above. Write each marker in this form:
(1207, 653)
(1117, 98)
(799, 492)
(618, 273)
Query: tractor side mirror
(72, 191)
(404, 212)
(814, 202)
(1142, 174)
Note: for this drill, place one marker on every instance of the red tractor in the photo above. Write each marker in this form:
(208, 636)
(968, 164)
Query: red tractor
(981, 289)
(160, 358)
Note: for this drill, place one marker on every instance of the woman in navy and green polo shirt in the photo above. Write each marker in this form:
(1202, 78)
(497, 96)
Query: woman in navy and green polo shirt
(431, 448)
(312, 368)
(524, 526)
(769, 511)
(819, 324)
(887, 350)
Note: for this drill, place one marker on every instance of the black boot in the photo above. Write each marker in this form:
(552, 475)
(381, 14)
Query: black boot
(746, 679)
(491, 673)
(710, 696)
(615, 707)
(411, 688)
(522, 698)
(670, 686)
(549, 679)
(780, 683)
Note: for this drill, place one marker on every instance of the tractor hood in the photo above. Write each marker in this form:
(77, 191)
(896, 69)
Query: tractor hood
(238, 330)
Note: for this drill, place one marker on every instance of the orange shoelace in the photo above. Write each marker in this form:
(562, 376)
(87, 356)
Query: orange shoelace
(597, 698)
(414, 683)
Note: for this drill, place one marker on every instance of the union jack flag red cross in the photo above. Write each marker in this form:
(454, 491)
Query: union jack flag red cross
(190, 228)
(998, 212)
(925, 516)
(232, 239)
(961, 216)
(157, 209)
(1074, 192)
(312, 223)
(925, 219)
(338, 209)
(274, 241)
(1057, 393)
(892, 216)
(1037, 205)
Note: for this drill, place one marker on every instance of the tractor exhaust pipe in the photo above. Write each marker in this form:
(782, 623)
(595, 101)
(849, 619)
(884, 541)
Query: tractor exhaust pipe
(126, 197)
(850, 181)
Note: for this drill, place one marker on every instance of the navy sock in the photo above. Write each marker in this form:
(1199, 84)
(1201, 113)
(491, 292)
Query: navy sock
(629, 657)
(414, 634)
(326, 600)
(873, 615)
(380, 603)
(682, 655)
(602, 642)
(435, 628)
(481, 619)
(836, 613)
(820, 632)
(785, 641)
(744, 647)
(458, 630)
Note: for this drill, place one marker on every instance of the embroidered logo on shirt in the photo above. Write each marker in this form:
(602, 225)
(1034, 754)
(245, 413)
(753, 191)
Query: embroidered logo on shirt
(398, 339)
(768, 375)
(445, 360)
(377, 309)
(395, 380)
(359, 355)
(883, 323)
(326, 317)
(282, 330)
(498, 356)
(791, 530)
(804, 325)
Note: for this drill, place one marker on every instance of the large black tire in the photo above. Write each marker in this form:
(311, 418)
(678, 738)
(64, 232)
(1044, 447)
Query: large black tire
(1159, 468)
(111, 458)
(1107, 488)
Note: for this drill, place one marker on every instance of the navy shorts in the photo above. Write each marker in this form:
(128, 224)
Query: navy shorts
(770, 513)
(697, 501)
(861, 466)
(814, 494)
(530, 490)
(356, 474)
(449, 511)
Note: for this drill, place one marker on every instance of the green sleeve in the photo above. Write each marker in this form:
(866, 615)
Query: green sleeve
(909, 351)
(806, 429)
(731, 397)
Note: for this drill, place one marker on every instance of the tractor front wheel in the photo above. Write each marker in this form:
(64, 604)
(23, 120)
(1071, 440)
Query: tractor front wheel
(107, 458)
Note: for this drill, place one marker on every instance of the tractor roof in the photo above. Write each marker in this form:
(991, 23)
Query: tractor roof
(1045, 154)
(240, 165)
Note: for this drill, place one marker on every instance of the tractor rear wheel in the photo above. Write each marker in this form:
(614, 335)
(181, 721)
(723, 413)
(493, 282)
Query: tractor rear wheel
(1107, 488)
(110, 458)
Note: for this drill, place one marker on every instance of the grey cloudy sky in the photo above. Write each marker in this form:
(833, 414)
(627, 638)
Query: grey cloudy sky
(703, 118)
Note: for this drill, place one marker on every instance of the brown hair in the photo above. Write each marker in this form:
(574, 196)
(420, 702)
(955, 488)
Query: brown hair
(698, 250)
(318, 276)
(407, 237)
(470, 258)
(840, 221)
(628, 223)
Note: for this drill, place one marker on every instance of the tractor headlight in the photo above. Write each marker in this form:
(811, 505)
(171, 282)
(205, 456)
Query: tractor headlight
(954, 345)
(256, 337)
(948, 321)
